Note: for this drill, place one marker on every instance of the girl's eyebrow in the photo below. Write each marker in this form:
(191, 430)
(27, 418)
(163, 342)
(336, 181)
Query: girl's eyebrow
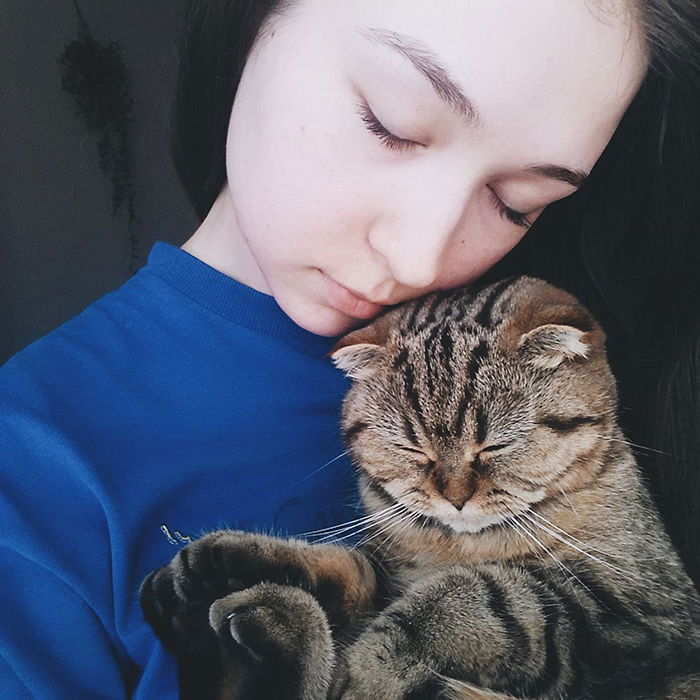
(426, 61)
(575, 178)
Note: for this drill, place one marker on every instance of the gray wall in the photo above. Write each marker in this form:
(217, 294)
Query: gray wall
(60, 245)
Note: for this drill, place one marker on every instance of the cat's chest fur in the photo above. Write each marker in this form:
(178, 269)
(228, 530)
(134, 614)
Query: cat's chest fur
(409, 556)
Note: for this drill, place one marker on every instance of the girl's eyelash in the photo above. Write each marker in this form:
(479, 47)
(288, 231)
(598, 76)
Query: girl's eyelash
(398, 144)
(383, 134)
(516, 217)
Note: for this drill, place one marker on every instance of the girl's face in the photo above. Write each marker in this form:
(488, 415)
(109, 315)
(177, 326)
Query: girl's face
(381, 150)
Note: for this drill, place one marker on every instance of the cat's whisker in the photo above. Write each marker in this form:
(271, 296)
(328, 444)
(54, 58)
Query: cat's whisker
(321, 537)
(590, 546)
(342, 526)
(569, 501)
(627, 574)
(396, 514)
(333, 539)
(575, 539)
(336, 540)
(393, 537)
(568, 543)
(316, 471)
(407, 515)
(513, 527)
(390, 525)
(568, 574)
(636, 446)
(352, 530)
(520, 529)
(373, 535)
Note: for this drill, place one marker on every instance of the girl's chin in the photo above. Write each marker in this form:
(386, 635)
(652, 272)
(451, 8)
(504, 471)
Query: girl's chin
(322, 320)
(333, 327)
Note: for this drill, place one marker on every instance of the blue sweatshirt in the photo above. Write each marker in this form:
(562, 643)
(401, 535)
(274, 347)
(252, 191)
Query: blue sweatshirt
(181, 403)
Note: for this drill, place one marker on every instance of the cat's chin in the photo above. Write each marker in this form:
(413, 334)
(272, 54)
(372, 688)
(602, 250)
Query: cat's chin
(472, 522)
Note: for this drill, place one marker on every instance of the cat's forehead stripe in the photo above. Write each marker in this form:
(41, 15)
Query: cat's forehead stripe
(447, 344)
(476, 360)
(481, 424)
(484, 317)
(429, 349)
(462, 412)
(413, 394)
(413, 318)
(457, 308)
(410, 430)
(426, 353)
(401, 359)
(441, 307)
(423, 318)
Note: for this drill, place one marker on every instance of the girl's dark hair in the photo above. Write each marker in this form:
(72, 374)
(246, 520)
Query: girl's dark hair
(217, 38)
(627, 244)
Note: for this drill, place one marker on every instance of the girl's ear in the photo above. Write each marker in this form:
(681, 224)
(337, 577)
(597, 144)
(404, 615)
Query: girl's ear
(551, 344)
(360, 353)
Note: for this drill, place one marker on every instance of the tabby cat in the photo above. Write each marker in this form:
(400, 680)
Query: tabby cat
(511, 549)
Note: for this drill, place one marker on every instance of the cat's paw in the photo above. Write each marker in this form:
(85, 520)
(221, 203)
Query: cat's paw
(284, 635)
(181, 625)
(177, 597)
(229, 560)
(269, 620)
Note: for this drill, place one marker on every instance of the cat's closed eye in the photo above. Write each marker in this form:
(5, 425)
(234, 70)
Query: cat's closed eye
(494, 448)
(562, 424)
(415, 452)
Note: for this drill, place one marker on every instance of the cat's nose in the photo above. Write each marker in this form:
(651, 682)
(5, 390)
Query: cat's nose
(459, 501)
(457, 488)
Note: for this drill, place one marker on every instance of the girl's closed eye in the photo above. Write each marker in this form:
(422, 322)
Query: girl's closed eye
(516, 217)
(396, 143)
(389, 139)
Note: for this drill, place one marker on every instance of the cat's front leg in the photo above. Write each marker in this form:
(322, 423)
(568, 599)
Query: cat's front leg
(481, 626)
(176, 598)
(379, 664)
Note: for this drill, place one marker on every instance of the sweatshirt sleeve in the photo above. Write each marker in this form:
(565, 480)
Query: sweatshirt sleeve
(58, 635)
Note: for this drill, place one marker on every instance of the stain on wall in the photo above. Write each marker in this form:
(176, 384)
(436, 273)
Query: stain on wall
(88, 185)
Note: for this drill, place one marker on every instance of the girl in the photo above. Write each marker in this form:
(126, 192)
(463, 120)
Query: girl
(375, 151)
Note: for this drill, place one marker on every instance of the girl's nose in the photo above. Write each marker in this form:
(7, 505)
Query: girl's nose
(416, 232)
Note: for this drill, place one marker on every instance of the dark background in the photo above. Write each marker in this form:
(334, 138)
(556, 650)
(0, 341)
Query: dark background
(61, 244)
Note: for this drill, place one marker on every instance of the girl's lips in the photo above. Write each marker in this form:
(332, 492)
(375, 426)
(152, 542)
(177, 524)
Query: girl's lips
(348, 303)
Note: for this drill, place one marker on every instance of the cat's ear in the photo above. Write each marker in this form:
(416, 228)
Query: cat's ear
(360, 353)
(549, 345)
(550, 326)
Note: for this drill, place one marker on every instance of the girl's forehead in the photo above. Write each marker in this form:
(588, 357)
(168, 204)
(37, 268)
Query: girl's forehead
(543, 65)
(450, 24)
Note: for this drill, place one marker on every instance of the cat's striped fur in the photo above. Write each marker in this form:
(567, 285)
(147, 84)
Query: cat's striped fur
(512, 550)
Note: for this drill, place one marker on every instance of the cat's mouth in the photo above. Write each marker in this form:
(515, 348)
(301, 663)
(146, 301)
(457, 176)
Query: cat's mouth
(408, 516)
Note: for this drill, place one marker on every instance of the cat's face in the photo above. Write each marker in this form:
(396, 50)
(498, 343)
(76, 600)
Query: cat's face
(469, 407)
